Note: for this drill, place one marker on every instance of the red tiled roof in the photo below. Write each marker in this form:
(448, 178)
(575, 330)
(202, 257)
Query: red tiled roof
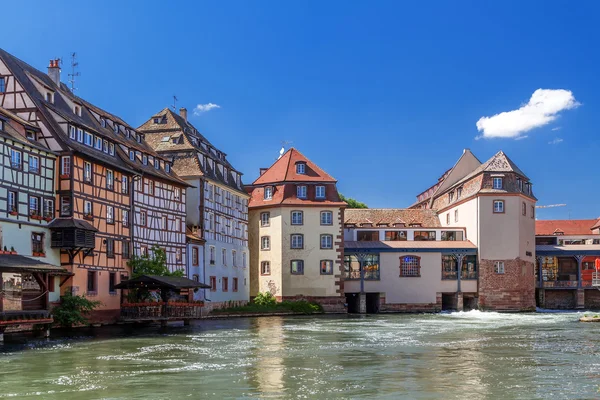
(596, 224)
(426, 217)
(565, 227)
(284, 170)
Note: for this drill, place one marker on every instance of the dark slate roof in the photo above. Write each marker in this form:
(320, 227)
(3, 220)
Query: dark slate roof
(65, 223)
(12, 133)
(15, 262)
(373, 216)
(156, 281)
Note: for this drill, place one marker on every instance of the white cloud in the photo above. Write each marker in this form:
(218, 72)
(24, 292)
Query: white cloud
(558, 128)
(521, 137)
(555, 141)
(543, 107)
(202, 108)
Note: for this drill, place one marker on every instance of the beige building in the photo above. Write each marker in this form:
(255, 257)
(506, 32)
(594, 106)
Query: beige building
(295, 225)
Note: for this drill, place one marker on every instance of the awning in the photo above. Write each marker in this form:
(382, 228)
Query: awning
(66, 223)
(19, 263)
(161, 282)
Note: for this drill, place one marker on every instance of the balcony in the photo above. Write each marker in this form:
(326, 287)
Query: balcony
(23, 317)
(559, 284)
(160, 311)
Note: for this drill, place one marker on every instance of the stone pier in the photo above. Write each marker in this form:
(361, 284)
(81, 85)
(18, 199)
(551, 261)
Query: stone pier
(362, 303)
(459, 302)
(580, 299)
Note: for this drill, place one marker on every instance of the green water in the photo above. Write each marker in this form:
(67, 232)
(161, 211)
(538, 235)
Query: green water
(462, 355)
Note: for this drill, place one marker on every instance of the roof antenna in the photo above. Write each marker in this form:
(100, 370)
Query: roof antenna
(73, 74)
(174, 103)
(282, 151)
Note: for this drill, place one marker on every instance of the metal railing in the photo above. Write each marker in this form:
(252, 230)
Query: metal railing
(596, 279)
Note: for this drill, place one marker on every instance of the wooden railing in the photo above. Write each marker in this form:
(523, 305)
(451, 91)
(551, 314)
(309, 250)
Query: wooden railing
(160, 311)
(25, 317)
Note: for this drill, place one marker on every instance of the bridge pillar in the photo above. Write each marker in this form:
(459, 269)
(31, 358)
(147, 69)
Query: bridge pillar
(362, 303)
(459, 302)
(580, 299)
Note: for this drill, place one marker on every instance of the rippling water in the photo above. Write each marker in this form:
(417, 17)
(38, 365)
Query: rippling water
(458, 355)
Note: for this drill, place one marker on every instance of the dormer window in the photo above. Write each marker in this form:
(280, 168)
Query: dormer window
(132, 155)
(458, 193)
(497, 183)
(98, 143)
(105, 146)
(157, 164)
(103, 122)
(415, 225)
(145, 159)
(451, 197)
(50, 97)
(111, 149)
(31, 135)
(301, 192)
(168, 168)
(156, 120)
(77, 110)
(520, 184)
(72, 131)
(116, 128)
(528, 188)
(138, 138)
(320, 192)
(268, 193)
(301, 168)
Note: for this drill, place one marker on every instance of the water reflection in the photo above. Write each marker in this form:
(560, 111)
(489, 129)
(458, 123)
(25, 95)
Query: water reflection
(267, 369)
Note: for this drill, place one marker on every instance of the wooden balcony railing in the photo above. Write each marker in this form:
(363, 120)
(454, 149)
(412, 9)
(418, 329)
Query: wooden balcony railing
(160, 311)
(25, 317)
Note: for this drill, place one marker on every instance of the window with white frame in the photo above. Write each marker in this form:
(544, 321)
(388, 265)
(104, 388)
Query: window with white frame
(163, 223)
(297, 217)
(326, 267)
(124, 184)
(224, 256)
(125, 218)
(458, 193)
(87, 209)
(301, 168)
(524, 209)
(72, 132)
(497, 183)
(80, 135)
(265, 268)
(320, 192)
(498, 206)
(268, 193)
(455, 215)
(48, 208)
(110, 215)
(34, 206)
(265, 219)
(297, 267)
(212, 254)
(110, 179)
(143, 218)
(145, 159)
(234, 258)
(326, 218)
(111, 149)
(65, 167)
(87, 171)
(132, 155)
(177, 193)
(88, 139)
(15, 159)
(105, 146)
(98, 143)
(297, 241)
(301, 192)
(265, 243)
(326, 241)
(34, 164)
(499, 267)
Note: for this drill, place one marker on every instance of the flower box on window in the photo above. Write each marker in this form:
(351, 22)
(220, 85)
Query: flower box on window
(13, 212)
(38, 254)
(65, 176)
(88, 217)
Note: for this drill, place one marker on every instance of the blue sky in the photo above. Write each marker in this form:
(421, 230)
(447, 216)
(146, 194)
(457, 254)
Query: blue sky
(382, 95)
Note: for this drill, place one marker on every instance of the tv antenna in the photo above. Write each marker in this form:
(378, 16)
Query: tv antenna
(284, 143)
(73, 74)
(174, 103)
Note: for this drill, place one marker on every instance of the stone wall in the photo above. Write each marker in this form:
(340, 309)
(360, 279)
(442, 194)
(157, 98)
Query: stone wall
(330, 304)
(592, 299)
(560, 299)
(411, 308)
(512, 291)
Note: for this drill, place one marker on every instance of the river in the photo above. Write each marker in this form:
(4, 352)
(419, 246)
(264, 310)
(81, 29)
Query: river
(443, 356)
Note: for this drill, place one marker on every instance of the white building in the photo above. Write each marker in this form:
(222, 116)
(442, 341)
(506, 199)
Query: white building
(216, 207)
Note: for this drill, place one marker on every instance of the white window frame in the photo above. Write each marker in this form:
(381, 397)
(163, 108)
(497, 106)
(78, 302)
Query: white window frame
(498, 210)
(301, 191)
(16, 159)
(455, 215)
(326, 241)
(301, 168)
(265, 219)
(297, 241)
(88, 139)
(265, 268)
(320, 192)
(88, 208)
(110, 214)
(497, 182)
(499, 267)
(34, 160)
(326, 218)
(80, 135)
(268, 193)
(265, 243)
(87, 172)
(294, 217)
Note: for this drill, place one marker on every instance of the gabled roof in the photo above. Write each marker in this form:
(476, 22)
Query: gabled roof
(284, 170)
(596, 224)
(498, 163)
(17, 263)
(564, 227)
(425, 217)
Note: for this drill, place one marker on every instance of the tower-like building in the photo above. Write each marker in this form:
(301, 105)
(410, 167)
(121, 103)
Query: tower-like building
(296, 218)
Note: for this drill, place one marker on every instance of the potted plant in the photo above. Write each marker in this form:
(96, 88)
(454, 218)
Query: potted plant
(5, 251)
(13, 210)
(88, 216)
(12, 250)
(65, 176)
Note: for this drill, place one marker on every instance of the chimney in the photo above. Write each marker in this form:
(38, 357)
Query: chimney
(263, 170)
(54, 71)
(183, 113)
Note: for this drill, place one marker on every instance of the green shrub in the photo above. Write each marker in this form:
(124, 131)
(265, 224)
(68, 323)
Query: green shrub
(72, 310)
(265, 299)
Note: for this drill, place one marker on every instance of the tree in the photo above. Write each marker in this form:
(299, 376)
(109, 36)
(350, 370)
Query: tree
(353, 203)
(152, 265)
(73, 310)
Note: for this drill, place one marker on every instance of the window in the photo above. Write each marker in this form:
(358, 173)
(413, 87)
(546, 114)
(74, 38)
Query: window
(91, 282)
(469, 267)
(297, 267)
(168, 167)
(12, 202)
(15, 159)
(301, 192)
(144, 251)
(65, 166)
(497, 183)
(80, 135)
(224, 256)
(112, 281)
(49, 97)
(77, 110)
(110, 247)
(265, 219)
(297, 217)
(34, 164)
(265, 268)
(48, 208)
(367, 236)
(163, 223)
(110, 179)
(326, 218)
(87, 172)
(150, 187)
(326, 267)
(499, 267)
(110, 215)
(145, 159)
(532, 212)
(395, 235)
(143, 218)
(126, 249)
(452, 235)
(88, 139)
(301, 168)
(195, 258)
(369, 264)
(72, 132)
(178, 255)
(2, 84)
(297, 241)
(213, 283)
(125, 218)
(116, 128)
(268, 193)
(124, 184)
(498, 206)
(447, 218)
(320, 192)
(234, 258)
(212, 254)
(244, 259)
(31, 135)
(103, 122)
(326, 241)
(458, 193)
(132, 155)
(410, 266)
(65, 206)
(177, 192)
(265, 243)
(520, 184)
(425, 235)
(87, 209)
(524, 208)
(234, 285)
(455, 215)
(111, 149)
(34, 206)
(178, 227)
(449, 267)
(98, 143)
(37, 243)
(451, 197)
(105, 146)
(224, 284)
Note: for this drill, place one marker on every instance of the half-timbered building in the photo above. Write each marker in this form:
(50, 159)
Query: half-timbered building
(216, 204)
(102, 170)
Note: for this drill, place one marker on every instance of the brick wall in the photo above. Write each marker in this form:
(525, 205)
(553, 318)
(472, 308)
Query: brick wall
(592, 299)
(409, 307)
(512, 291)
(560, 299)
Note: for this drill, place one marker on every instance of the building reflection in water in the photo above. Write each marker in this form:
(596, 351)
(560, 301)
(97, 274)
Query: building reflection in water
(267, 370)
